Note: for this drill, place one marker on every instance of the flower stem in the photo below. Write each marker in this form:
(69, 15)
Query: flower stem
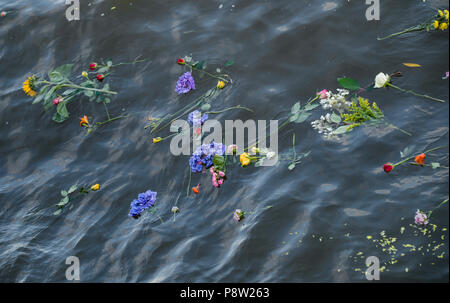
(230, 108)
(408, 30)
(209, 74)
(80, 87)
(414, 93)
(412, 157)
(110, 120)
(317, 97)
(414, 163)
(397, 128)
(106, 109)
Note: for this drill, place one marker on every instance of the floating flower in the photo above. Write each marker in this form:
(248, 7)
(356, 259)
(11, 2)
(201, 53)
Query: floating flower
(420, 159)
(181, 61)
(195, 118)
(238, 215)
(421, 218)
(157, 140)
(381, 80)
(254, 150)
(337, 101)
(57, 100)
(175, 209)
(446, 13)
(220, 84)
(443, 26)
(245, 159)
(100, 77)
(84, 74)
(447, 75)
(92, 66)
(95, 187)
(436, 24)
(441, 13)
(196, 189)
(270, 155)
(388, 167)
(28, 87)
(185, 83)
(232, 149)
(217, 177)
(144, 201)
(84, 121)
(323, 94)
(3, 14)
(203, 156)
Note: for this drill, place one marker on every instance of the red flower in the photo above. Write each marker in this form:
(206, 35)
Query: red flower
(100, 77)
(181, 61)
(92, 66)
(420, 159)
(388, 167)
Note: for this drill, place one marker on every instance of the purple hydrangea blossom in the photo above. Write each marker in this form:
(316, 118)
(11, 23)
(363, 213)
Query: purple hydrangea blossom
(144, 201)
(185, 83)
(203, 156)
(196, 119)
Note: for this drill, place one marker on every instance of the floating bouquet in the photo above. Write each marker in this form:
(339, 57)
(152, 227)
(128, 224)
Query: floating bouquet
(438, 22)
(62, 87)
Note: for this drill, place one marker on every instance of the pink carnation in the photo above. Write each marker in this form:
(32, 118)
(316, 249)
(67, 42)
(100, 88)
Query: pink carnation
(323, 94)
(421, 218)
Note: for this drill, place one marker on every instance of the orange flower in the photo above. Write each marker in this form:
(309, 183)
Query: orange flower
(420, 159)
(195, 189)
(84, 121)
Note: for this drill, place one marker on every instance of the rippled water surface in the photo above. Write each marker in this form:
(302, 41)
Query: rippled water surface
(284, 51)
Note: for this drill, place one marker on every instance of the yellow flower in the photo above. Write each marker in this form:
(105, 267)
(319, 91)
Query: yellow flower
(446, 14)
(95, 187)
(28, 87)
(441, 13)
(84, 74)
(84, 121)
(255, 150)
(245, 159)
(443, 26)
(436, 24)
(220, 84)
(156, 140)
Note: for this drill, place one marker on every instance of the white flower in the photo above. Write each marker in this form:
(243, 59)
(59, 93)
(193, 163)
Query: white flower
(381, 80)
(270, 155)
(336, 101)
(175, 209)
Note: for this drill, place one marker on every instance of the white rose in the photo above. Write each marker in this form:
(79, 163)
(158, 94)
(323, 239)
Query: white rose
(270, 155)
(381, 80)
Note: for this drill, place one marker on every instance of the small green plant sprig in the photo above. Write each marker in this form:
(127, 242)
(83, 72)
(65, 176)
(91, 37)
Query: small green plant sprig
(74, 189)
(361, 113)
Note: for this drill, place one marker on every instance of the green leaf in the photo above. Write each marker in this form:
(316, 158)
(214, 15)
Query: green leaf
(57, 212)
(69, 91)
(63, 201)
(349, 83)
(88, 93)
(295, 108)
(103, 70)
(72, 189)
(291, 166)
(311, 106)
(109, 63)
(61, 109)
(55, 76)
(64, 70)
(335, 118)
(49, 94)
(435, 165)
(205, 107)
(219, 162)
(229, 63)
(63, 193)
(341, 130)
(302, 117)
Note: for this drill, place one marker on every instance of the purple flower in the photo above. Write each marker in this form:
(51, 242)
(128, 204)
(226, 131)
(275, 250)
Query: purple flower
(144, 201)
(238, 215)
(203, 156)
(185, 83)
(196, 119)
(447, 74)
(421, 218)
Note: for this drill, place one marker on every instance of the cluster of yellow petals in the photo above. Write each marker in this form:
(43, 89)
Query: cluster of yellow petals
(245, 159)
(28, 88)
(442, 24)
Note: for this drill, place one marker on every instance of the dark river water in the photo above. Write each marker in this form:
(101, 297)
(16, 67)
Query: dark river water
(325, 214)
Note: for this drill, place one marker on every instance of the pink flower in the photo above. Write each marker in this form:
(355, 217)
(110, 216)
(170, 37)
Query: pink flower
(446, 76)
(231, 149)
(323, 94)
(421, 218)
(238, 215)
(220, 181)
(222, 174)
(57, 101)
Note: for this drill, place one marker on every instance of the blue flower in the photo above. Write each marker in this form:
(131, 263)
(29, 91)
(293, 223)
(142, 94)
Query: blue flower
(203, 156)
(185, 83)
(144, 201)
(195, 118)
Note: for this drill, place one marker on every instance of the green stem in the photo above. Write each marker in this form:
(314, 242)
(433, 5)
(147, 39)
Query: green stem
(412, 157)
(209, 74)
(414, 163)
(431, 211)
(317, 97)
(189, 184)
(414, 93)
(80, 87)
(408, 30)
(230, 108)
(106, 109)
(110, 120)
(397, 128)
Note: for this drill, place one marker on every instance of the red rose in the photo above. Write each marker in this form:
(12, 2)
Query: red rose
(181, 61)
(92, 66)
(388, 167)
(100, 77)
